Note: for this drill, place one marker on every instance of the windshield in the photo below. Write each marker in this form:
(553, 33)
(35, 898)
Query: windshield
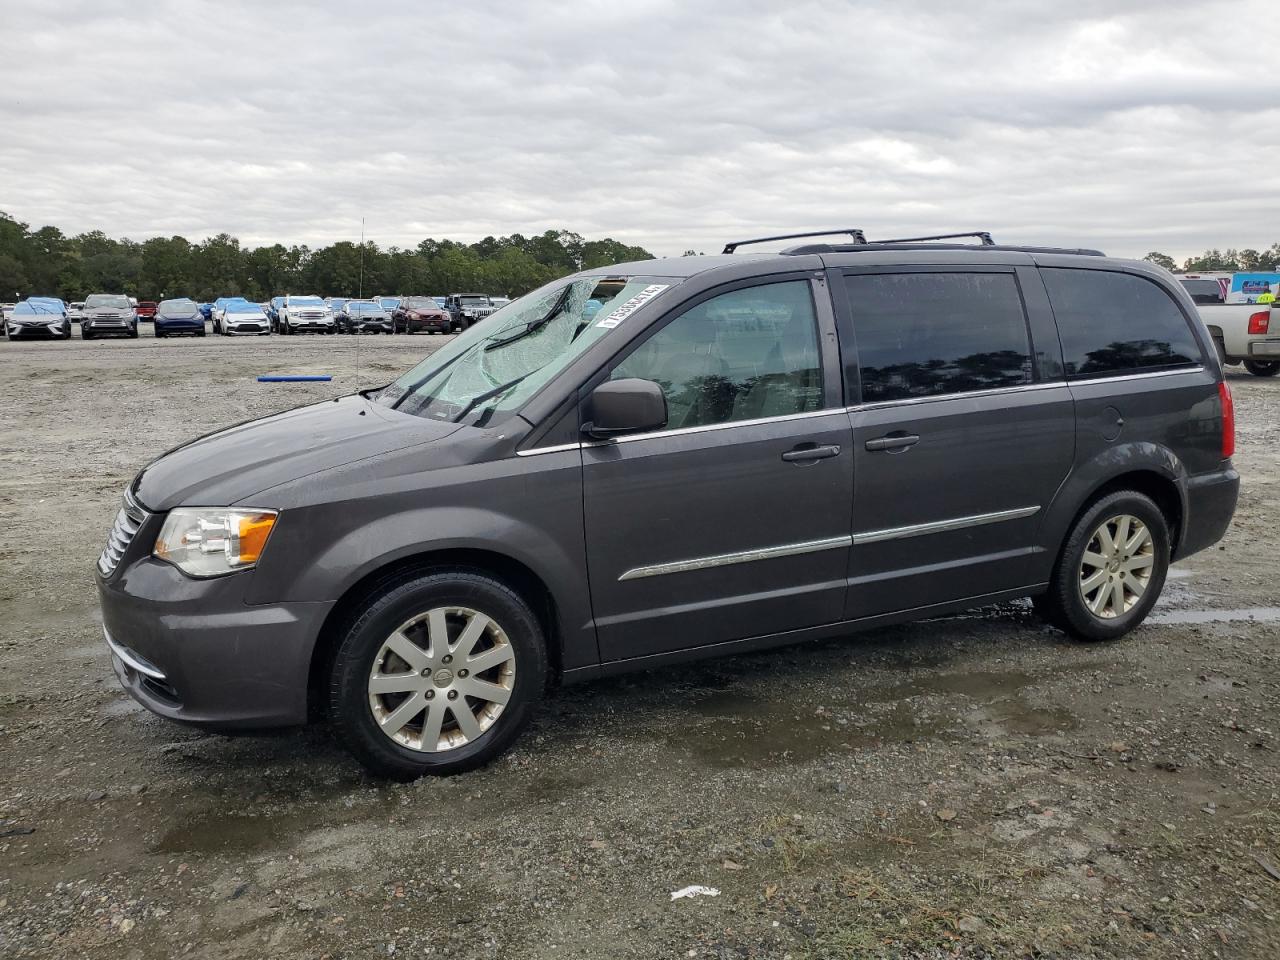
(27, 306)
(177, 306)
(389, 301)
(419, 303)
(107, 300)
(484, 375)
(474, 301)
(243, 306)
(361, 308)
(305, 302)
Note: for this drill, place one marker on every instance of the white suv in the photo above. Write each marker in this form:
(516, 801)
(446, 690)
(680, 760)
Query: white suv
(300, 314)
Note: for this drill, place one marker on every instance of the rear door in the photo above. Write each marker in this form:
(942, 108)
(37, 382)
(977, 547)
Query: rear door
(732, 522)
(964, 432)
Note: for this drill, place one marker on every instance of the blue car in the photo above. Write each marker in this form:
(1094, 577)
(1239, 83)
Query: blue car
(179, 316)
(206, 310)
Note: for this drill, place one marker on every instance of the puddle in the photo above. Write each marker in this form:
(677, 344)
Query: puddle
(745, 731)
(742, 730)
(1255, 614)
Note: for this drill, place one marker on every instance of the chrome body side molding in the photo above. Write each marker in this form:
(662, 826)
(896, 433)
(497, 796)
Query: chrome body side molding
(942, 526)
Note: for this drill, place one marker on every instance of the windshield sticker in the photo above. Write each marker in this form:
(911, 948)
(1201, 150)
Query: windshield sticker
(632, 305)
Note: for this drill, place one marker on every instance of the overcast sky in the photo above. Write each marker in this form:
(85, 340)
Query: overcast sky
(667, 124)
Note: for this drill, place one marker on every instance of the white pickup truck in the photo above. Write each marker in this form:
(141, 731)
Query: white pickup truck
(1247, 333)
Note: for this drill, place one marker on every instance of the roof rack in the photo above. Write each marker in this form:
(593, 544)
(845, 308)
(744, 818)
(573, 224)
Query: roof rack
(856, 234)
(980, 234)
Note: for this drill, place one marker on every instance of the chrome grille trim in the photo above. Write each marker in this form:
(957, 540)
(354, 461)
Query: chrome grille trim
(129, 520)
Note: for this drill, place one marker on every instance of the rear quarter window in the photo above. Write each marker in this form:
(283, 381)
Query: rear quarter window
(1116, 323)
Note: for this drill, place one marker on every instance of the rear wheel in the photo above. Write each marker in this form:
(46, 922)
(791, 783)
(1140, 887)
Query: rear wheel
(436, 674)
(1263, 368)
(1111, 569)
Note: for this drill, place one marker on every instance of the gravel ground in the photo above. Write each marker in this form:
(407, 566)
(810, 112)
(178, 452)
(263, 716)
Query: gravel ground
(971, 786)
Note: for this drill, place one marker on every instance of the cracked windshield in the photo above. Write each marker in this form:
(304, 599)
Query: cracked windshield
(484, 376)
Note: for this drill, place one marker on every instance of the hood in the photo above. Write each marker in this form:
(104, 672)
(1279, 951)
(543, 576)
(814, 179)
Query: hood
(108, 311)
(231, 465)
(240, 313)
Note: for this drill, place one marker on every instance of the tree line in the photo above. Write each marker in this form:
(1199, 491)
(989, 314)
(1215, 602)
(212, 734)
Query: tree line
(1247, 260)
(45, 262)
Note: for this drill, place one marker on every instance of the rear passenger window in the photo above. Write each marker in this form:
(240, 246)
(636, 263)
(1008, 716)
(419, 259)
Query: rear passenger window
(1117, 323)
(928, 334)
(743, 355)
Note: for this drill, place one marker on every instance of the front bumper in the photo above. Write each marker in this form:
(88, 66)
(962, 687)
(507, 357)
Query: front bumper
(248, 328)
(50, 330)
(179, 326)
(194, 651)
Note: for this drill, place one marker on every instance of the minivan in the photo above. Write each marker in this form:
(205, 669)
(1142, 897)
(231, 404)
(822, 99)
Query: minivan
(646, 463)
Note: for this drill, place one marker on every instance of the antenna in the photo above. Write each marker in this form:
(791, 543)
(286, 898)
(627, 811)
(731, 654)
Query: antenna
(360, 293)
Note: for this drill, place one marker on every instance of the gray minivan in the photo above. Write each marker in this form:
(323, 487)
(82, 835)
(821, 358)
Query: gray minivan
(656, 461)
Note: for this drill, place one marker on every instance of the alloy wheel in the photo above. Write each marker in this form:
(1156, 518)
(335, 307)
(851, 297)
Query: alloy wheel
(442, 679)
(1116, 567)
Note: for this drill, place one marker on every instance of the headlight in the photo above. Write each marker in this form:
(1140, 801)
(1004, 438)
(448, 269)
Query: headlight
(211, 541)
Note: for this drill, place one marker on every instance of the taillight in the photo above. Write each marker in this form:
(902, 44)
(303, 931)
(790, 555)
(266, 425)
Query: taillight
(1260, 322)
(1228, 421)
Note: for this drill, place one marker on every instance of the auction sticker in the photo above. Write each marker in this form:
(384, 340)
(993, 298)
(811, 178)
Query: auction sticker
(632, 305)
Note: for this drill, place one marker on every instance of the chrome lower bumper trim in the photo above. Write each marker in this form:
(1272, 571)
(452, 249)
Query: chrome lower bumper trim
(131, 659)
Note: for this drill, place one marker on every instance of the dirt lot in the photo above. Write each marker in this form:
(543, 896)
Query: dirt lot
(970, 786)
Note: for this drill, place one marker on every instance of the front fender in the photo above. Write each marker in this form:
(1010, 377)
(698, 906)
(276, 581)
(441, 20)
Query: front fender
(340, 528)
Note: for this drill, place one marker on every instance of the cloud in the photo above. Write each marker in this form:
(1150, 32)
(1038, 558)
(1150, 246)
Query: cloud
(673, 125)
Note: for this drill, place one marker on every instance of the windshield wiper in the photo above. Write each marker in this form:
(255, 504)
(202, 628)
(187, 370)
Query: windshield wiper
(534, 325)
(489, 395)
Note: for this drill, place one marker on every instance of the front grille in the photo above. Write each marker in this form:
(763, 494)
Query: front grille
(128, 521)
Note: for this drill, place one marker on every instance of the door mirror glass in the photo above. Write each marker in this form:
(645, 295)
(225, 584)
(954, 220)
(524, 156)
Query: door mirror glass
(626, 406)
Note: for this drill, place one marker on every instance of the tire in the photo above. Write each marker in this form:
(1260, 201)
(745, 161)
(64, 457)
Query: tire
(133, 333)
(1263, 368)
(199, 333)
(1103, 616)
(399, 608)
(160, 334)
(86, 334)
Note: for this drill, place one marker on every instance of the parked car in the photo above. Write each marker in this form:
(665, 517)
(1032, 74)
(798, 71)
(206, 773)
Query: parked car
(363, 316)
(206, 310)
(179, 316)
(388, 304)
(441, 301)
(38, 317)
(300, 314)
(108, 313)
(499, 302)
(421, 313)
(273, 313)
(216, 311)
(1243, 332)
(146, 310)
(75, 310)
(245, 317)
(468, 308)
(675, 478)
(335, 305)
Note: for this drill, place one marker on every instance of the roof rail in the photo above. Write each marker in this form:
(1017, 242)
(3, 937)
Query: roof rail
(856, 234)
(980, 234)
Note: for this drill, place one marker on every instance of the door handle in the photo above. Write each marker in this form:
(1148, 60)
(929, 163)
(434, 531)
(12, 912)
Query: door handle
(893, 441)
(810, 452)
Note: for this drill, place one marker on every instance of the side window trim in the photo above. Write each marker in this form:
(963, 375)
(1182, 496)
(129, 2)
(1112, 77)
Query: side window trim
(851, 367)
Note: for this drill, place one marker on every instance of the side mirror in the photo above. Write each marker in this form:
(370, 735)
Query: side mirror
(625, 406)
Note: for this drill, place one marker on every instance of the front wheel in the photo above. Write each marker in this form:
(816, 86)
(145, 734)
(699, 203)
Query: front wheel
(1263, 368)
(1111, 569)
(437, 674)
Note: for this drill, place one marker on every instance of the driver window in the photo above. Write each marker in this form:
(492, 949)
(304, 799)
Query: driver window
(744, 355)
